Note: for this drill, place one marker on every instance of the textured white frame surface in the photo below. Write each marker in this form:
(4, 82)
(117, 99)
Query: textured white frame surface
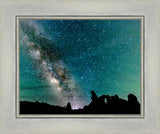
(9, 124)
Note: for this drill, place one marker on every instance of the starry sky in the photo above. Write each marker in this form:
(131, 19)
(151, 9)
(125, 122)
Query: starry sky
(61, 61)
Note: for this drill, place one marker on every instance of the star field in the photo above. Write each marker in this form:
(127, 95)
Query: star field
(61, 61)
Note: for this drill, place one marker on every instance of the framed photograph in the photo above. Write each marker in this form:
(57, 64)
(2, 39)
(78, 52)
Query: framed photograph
(79, 67)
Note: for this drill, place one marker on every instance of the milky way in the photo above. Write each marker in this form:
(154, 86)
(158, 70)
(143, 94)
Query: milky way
(46, 56)
(61, 61)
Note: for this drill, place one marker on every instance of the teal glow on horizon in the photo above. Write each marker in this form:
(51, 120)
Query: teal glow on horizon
(61, 61)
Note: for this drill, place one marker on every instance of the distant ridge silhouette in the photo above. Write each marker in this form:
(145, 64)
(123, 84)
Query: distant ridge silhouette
(104, 104)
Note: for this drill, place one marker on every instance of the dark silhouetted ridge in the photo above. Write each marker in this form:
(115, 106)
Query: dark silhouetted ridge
(104, 104)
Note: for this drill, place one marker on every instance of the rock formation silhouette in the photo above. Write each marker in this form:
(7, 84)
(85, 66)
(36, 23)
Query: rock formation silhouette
(104, 104)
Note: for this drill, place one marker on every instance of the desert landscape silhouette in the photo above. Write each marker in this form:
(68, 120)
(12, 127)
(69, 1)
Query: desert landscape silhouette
(104, 104)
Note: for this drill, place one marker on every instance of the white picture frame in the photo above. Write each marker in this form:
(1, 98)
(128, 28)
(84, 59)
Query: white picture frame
(9, 124)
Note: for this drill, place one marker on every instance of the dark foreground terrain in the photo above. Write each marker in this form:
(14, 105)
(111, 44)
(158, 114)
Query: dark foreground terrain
(104, 104)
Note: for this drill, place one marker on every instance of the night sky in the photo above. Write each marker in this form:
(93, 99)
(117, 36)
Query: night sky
(61, 61)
